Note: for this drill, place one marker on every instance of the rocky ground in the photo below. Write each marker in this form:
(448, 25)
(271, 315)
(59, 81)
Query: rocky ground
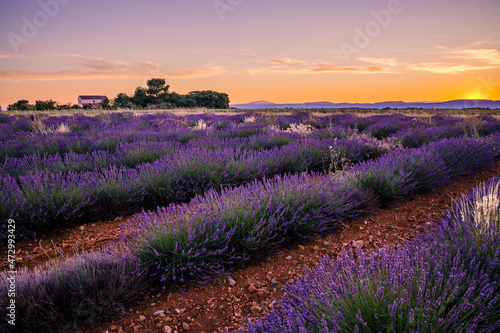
(251, 291)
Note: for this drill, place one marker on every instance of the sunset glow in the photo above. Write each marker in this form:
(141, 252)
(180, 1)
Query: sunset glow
(475, 95)
(284, 51)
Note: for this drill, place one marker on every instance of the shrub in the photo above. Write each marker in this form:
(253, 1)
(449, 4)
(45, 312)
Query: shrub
(50, 199)
(478, 211)
(217, 231)
(417, 137)
(11, 198)
(63, 296)
(384, 177)
(403, 172)
(462, 155)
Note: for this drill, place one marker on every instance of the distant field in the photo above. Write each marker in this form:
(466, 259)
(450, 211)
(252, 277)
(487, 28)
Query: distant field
(360, 112)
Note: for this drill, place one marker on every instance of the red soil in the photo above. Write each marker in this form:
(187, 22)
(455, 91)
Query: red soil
(216, 305)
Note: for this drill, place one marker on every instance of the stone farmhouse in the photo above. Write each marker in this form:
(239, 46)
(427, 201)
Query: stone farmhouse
(93, 100)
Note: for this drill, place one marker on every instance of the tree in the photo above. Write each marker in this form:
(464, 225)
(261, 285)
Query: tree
(157, 95)
(186, 101)
(156, 86)
(168, 100)
(20, 105)
(141, 97)
(45, 105)
(122, 101)
(64, 106)
(40, 105)
(105, 104)
(210, 99)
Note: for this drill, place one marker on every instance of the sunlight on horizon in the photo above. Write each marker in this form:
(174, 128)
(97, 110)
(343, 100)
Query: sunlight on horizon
(475, 96)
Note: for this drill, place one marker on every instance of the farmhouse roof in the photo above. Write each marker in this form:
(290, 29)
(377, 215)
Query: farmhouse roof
(92, 97)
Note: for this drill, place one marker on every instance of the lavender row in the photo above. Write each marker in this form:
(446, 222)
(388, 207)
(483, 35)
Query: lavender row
(215, 232)
(471, 127)
(43, 200)
(63, 296)
(25, 144)
(78, 154)
(134, 153)
(129, 154)
(20, 146)
(109, 140)
(218, 231)
(80, 134)
(127, 121)
(447, 280)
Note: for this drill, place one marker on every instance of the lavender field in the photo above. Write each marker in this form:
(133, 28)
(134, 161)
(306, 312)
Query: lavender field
(213, 192)
(68, 169)
(446, 280)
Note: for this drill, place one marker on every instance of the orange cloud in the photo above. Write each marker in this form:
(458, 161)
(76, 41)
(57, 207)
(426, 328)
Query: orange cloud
(296, 66)
(379, 61)
(284, 61)
(10, 56)
(100, 68)
(326, 67)
(205, 71)
(458, 60)
(489, 56)
(444, 68)
(447, 61)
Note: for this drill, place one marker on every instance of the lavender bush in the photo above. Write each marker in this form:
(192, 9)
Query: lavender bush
(463, 161)
(443, 281)
(11, 198)
(50, 199)
(64, 296)
(477, 213)
(217, 230)
(401, 173)
(417, 137)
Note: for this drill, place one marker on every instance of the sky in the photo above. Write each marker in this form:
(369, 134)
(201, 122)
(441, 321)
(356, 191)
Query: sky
(282, 51)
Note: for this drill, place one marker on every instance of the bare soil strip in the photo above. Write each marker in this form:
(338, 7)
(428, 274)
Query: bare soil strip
(218, 305)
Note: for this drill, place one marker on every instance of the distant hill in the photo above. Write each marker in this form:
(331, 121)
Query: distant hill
(456, 104)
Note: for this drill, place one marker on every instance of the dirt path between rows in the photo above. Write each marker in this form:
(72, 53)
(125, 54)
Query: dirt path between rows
(219, 305)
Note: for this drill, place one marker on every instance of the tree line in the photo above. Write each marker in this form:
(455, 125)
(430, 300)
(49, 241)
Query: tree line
(155, 95)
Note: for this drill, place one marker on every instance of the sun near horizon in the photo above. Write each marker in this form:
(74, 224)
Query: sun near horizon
(475, 96)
